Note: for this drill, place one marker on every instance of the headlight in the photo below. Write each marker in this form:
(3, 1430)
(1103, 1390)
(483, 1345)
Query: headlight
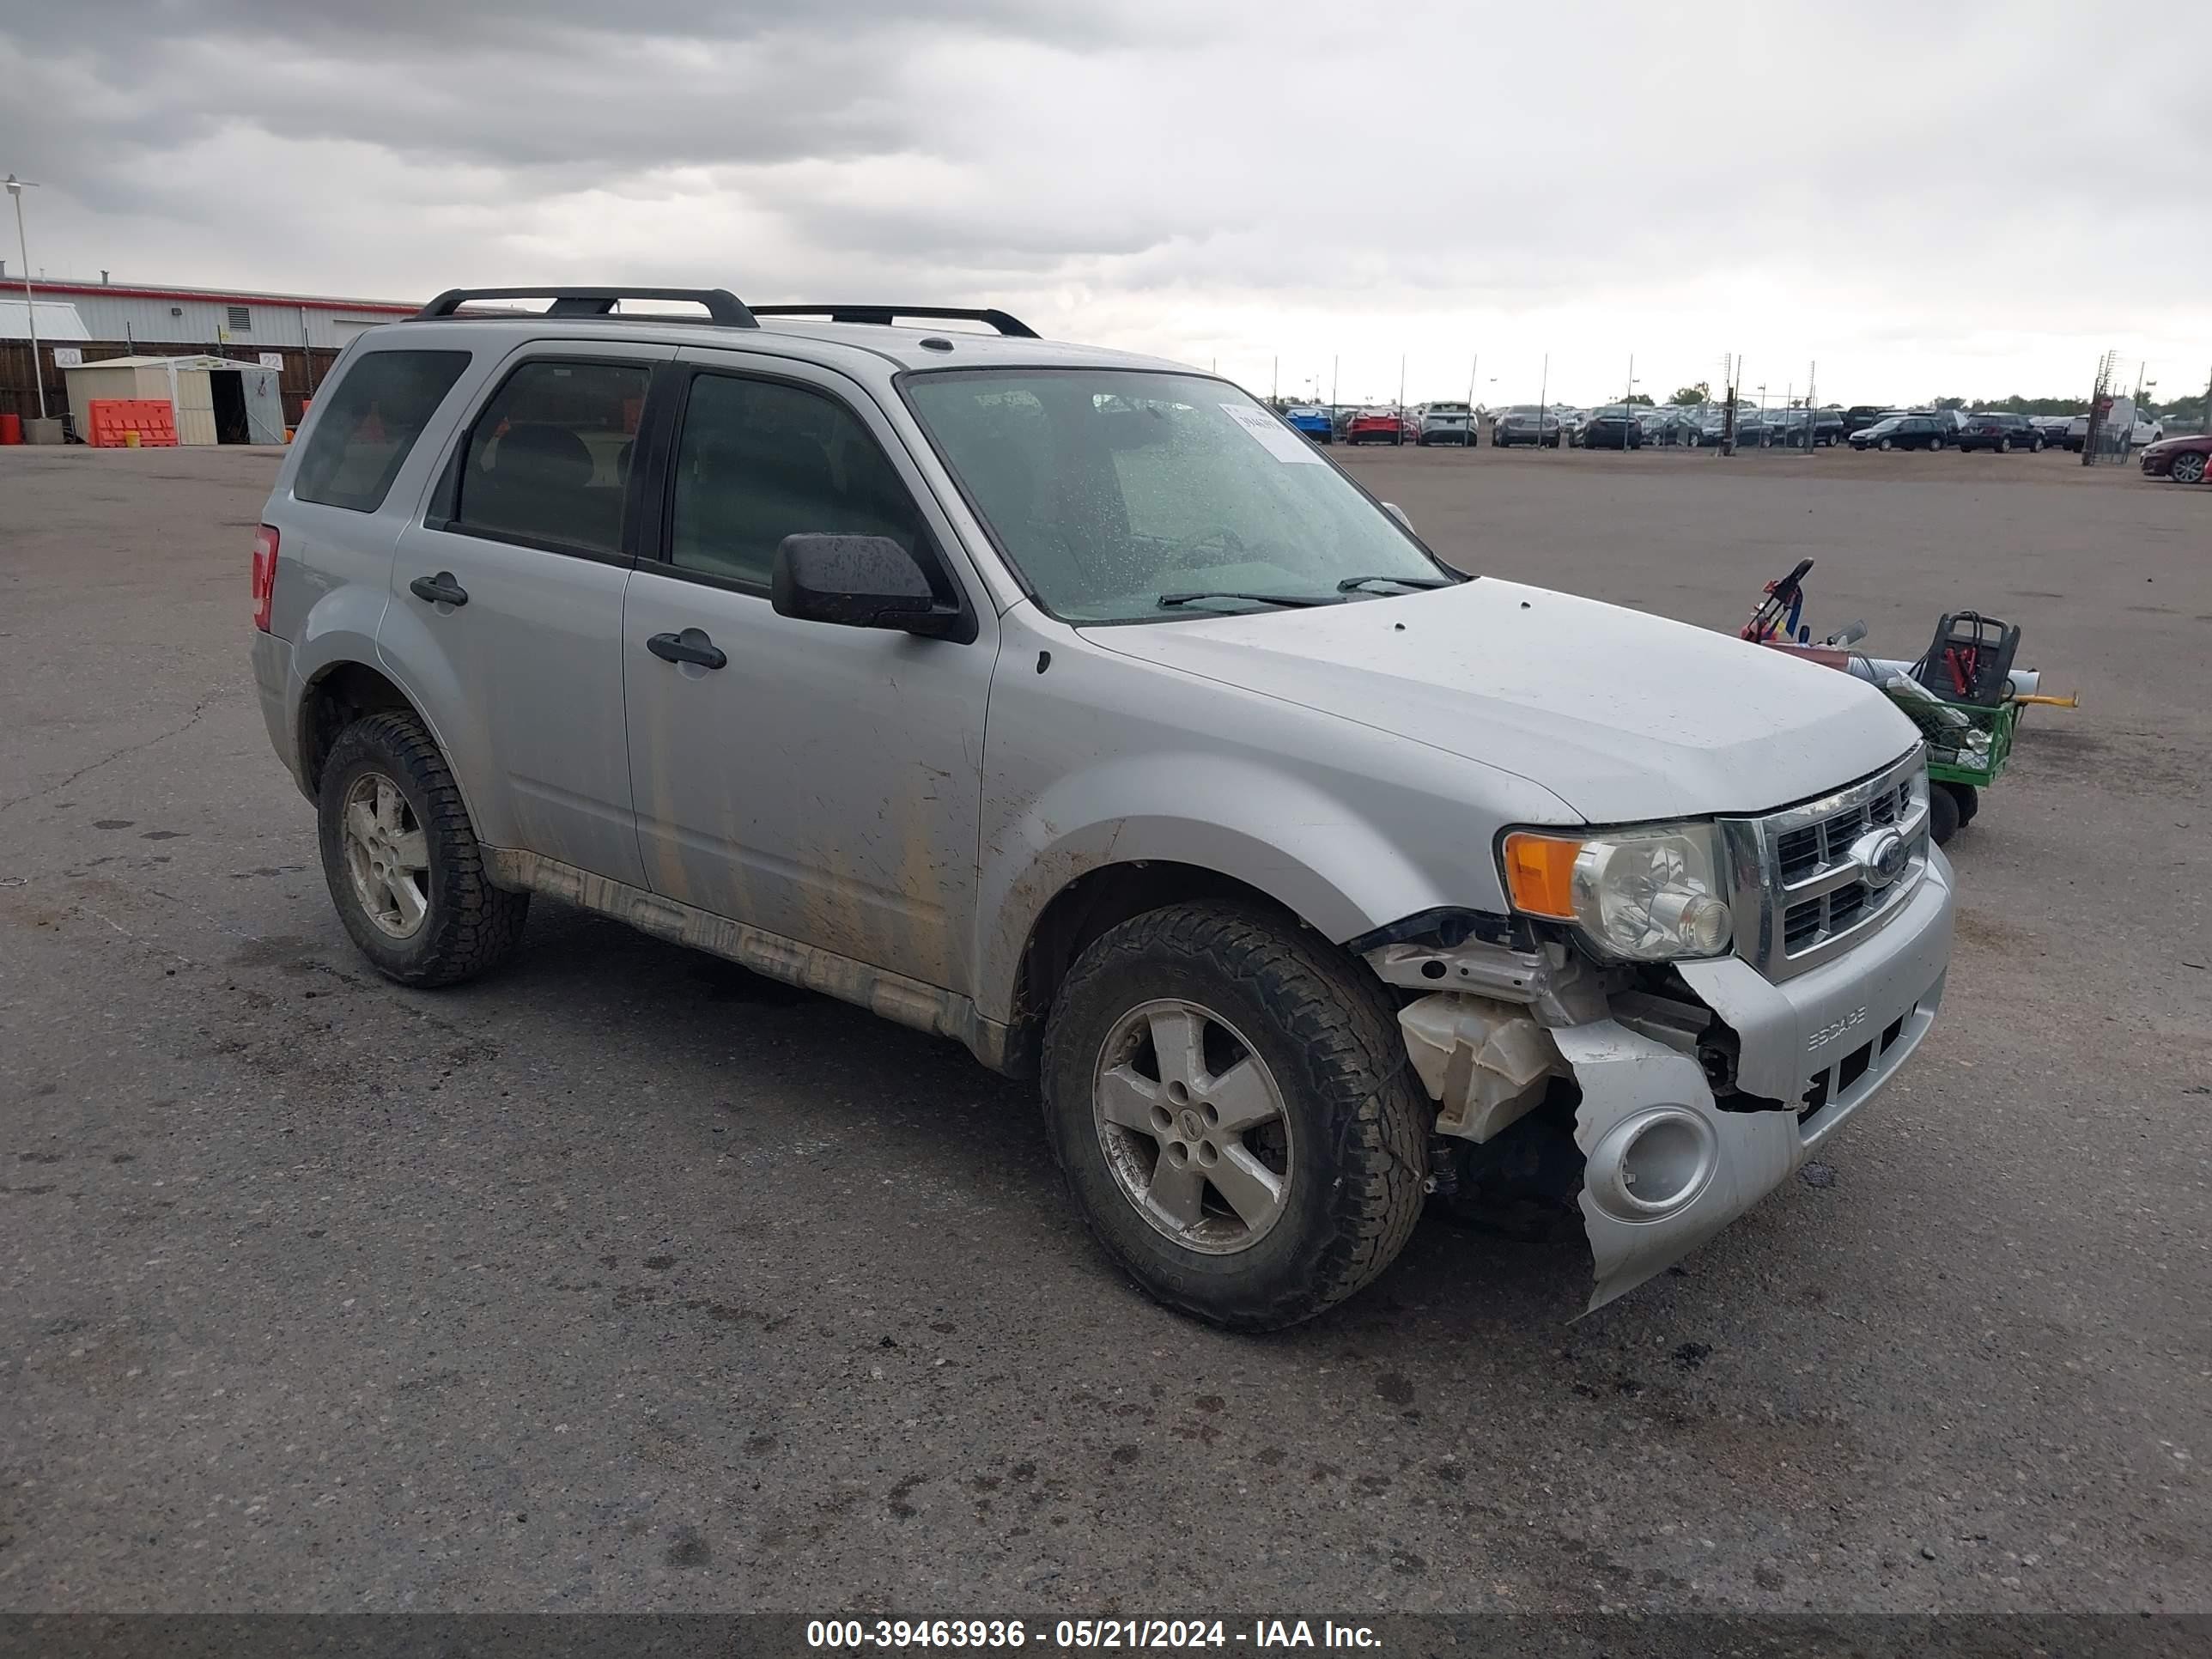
(1650, 894)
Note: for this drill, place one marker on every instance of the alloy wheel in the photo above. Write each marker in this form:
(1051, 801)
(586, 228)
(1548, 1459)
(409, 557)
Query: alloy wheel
(387, 855)
(1193, 1125)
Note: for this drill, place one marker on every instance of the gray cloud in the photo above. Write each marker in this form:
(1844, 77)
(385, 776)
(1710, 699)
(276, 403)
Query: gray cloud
(1251, 179)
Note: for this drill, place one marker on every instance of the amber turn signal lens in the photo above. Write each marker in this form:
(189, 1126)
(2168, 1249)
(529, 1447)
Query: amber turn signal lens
(1539, 874)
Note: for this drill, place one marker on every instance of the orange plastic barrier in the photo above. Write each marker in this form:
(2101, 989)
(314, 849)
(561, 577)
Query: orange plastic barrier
(152, 419)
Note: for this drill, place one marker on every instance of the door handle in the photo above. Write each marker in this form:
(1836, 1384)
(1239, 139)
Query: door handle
(691, 645)
(441, 589)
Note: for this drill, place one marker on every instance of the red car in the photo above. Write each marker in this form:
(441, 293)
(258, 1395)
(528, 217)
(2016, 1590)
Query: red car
(2182, 459)
(1378, 426)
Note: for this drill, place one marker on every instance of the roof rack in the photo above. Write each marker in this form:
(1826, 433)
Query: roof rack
(722, 306)
(885, 316)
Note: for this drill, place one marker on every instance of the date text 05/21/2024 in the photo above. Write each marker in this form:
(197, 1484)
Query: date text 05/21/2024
(1070, 1634)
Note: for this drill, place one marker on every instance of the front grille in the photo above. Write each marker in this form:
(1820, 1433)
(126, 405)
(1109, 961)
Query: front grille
(1801, 896)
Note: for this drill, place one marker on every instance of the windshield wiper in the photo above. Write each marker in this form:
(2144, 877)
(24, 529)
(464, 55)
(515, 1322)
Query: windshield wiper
(1353, 584)
(1167, 601)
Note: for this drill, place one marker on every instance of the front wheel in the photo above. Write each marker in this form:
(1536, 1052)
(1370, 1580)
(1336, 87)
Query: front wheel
(1886, 444)
(1230, 1100)
(402, 861)
(2188, 468)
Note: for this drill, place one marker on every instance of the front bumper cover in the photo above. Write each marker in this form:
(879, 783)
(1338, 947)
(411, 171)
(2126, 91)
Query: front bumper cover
(1822, 1044)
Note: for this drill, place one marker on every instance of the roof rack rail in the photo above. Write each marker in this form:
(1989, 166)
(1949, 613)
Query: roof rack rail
(722, 306)
(885, 315)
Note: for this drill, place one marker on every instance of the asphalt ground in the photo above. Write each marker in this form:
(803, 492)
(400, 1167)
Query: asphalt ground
(624, 1279)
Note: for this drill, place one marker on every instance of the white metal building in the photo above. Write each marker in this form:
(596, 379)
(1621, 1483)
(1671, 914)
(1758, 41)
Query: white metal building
(146, 314)
(218, 401)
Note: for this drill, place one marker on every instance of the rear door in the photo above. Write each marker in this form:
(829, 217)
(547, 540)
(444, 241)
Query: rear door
(505, 619)
(822, 783)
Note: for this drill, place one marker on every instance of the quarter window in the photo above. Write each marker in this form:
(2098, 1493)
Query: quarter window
(369, 421)
(759, 460)
(549, 457)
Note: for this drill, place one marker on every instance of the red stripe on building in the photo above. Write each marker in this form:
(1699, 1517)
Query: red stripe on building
(117, 291)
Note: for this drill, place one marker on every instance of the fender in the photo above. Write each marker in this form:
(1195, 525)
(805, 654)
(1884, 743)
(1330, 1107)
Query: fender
(1339, 871)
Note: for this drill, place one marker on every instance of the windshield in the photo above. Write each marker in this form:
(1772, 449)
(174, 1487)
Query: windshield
(1113, 491)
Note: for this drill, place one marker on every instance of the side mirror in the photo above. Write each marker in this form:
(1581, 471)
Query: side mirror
(1398, 513)
(857, 581)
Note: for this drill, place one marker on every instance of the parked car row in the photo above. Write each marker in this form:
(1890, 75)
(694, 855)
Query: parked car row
(1619, 426)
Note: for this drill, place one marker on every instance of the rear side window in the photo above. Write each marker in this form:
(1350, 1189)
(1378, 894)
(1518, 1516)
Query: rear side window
(368, 423)
(549, 458)
(758, 460)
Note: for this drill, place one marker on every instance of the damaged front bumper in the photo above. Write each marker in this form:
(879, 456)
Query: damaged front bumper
(1668, 1161)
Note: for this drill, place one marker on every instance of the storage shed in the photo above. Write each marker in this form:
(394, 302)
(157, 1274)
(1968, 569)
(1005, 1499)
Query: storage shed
(218, 401)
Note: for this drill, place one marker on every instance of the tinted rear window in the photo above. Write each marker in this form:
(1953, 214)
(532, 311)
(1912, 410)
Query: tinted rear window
(369, 422)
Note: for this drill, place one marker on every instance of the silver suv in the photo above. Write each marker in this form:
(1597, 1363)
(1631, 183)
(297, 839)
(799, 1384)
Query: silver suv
(1071, 705)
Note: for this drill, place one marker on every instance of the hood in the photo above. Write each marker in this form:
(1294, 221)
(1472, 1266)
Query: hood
(1622, 715)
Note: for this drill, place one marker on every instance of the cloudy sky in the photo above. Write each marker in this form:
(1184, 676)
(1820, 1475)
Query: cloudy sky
(1923, 199)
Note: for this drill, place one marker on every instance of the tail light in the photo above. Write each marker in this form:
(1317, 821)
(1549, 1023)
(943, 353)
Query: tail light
(264, 575)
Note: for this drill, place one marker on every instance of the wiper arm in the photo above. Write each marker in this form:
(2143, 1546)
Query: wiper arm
(1169, 601)
(1353, 584)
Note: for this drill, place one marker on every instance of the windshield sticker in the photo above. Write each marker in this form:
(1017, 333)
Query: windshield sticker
(1270, 435)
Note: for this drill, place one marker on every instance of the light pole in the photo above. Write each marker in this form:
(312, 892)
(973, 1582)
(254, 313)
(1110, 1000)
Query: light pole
(16, 188)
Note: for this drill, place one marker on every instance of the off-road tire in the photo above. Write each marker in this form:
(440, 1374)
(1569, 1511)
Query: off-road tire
(470, 926)
(1329, 1034)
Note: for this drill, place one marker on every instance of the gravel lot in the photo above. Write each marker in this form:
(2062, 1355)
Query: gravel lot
(626, 1279)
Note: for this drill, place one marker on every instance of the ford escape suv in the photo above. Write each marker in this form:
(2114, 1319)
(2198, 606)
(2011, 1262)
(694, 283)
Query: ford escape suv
(1072, 705)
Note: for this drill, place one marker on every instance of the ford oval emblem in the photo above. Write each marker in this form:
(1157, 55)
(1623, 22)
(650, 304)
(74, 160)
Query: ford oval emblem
(1881, 858)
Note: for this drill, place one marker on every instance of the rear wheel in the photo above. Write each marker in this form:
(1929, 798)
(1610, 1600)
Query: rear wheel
(2004, 446)
(1885, 444)
(402, 861)
(1231, 1103)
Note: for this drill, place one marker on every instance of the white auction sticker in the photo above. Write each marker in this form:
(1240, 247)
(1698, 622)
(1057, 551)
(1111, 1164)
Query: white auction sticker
(1270, 433)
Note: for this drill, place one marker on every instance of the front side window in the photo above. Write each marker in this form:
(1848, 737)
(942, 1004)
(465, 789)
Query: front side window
(549, 457)
(1121, 496)
(759, 460)
(368, 423)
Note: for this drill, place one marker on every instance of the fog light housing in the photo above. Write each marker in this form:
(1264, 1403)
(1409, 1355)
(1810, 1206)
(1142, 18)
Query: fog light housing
(1654, 1164)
